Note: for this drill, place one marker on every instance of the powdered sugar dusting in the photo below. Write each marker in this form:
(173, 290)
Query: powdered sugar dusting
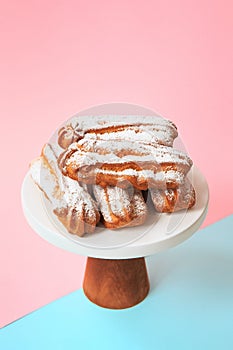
(139, 205)
(47, 181)
(173, 199)
(62, 191)
(144, 133)
(141, 128)
(91, 152)
(140, 147)
(117, 202)
(112, 201)
(95, 122)
(161, 177)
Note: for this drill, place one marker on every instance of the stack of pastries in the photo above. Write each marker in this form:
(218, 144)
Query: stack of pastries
(101, 168)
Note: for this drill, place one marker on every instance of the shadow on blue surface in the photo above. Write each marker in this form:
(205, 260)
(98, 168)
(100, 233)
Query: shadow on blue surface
(190, 306)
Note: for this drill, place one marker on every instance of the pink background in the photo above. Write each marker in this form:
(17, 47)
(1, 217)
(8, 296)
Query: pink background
(59, 57)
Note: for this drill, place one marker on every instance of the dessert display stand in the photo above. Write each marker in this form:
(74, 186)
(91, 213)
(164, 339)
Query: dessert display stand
(116, 275)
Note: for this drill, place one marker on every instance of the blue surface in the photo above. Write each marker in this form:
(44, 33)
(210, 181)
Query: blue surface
(190, 306)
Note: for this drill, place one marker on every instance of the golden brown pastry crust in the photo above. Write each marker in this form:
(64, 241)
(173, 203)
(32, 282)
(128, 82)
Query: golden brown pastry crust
(112, 159)
(120, 207)
(149, 129)
(122, 163)
(72, 205)
(172, 200)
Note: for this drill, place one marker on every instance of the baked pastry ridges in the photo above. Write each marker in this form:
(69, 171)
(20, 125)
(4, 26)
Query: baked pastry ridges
(74, 207)
(141, 128)
(116, 163)
(171, 200)
(106, 163)
(120, 207)
(121, 151)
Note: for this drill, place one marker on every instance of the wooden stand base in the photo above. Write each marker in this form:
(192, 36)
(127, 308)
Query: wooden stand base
(116, 284)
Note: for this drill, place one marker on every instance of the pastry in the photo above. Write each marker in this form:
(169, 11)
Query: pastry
(148, 129)
(139, 209)
(120, 207)
(170, 200)
(123, 163)
(74, 207)
(103, 167)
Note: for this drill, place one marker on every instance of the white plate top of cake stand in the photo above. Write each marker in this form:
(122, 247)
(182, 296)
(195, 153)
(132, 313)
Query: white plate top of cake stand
(160, 231)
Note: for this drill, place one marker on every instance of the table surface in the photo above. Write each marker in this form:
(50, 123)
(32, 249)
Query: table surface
(161, 231)
(189, 307)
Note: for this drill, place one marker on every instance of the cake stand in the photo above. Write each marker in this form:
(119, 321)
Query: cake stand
(116, 275)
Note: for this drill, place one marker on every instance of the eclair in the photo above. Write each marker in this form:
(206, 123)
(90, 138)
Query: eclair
(73, 206)
(149, 129)
(124, 163)
(171, 200)
(120, 207)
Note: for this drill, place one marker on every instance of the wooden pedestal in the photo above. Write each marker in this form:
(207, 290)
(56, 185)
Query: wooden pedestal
(116, 284)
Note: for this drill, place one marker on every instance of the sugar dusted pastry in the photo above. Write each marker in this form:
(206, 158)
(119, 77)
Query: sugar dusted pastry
(120, 207)
(139, 209)
(99, 166)
(111, 163)
(74, 207)
(69, 133)
(149, 129)
(170, 200)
